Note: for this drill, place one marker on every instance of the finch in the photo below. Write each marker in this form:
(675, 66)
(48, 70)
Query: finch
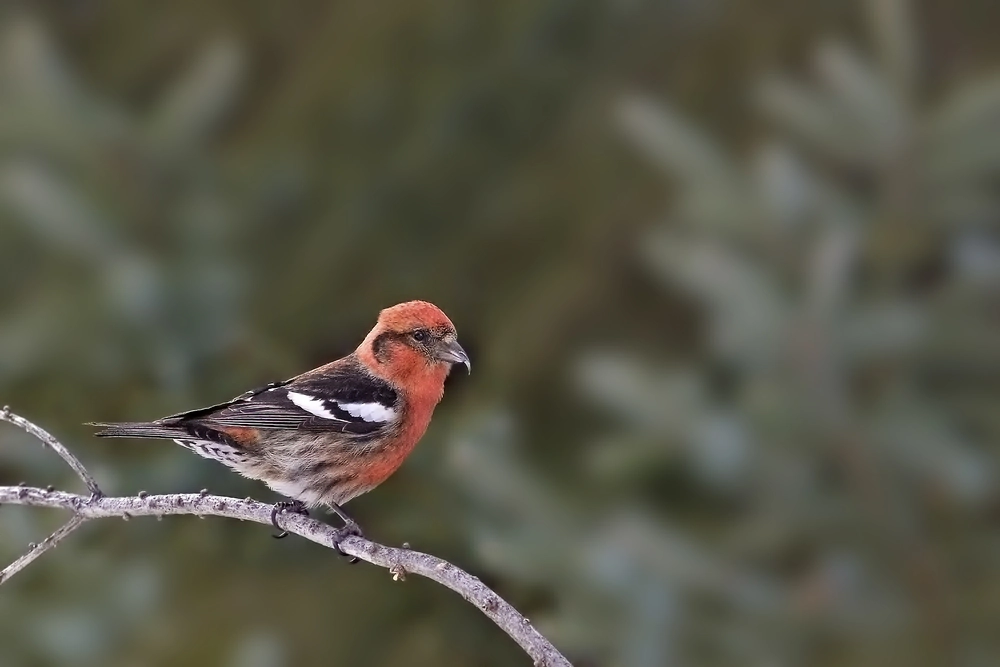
(333, 433)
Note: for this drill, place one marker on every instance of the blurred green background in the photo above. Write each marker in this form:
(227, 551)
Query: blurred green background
(729, 273)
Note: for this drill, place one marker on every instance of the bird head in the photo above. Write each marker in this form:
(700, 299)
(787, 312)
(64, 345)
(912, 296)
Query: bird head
(414, 336)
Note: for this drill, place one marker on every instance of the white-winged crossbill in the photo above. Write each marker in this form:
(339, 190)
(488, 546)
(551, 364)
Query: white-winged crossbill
(330, 434)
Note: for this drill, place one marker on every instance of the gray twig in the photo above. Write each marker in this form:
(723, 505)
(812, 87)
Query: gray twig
(49, 441)
(399, 562)
(37, 550)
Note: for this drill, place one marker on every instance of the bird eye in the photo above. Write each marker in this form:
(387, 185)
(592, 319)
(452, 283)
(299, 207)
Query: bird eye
(419, 335)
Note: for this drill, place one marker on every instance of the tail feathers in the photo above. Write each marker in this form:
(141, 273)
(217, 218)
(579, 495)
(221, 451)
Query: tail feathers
(138, 430)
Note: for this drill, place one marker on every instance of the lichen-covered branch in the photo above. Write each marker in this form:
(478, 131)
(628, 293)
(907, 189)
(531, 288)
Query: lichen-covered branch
(399, 561)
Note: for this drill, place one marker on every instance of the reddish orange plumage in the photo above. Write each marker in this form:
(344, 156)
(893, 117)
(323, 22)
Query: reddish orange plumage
(409, 370)
(406, 366)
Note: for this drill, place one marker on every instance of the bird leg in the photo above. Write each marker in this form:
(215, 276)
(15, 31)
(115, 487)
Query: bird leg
(283, 507)
(349, 528)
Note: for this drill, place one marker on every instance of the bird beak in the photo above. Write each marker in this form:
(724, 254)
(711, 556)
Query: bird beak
(452, 352)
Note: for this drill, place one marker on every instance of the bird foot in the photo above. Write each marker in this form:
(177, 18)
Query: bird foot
(349, 529)
(285, 507)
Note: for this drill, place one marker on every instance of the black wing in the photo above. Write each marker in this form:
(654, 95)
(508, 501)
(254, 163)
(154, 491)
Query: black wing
(345, 399)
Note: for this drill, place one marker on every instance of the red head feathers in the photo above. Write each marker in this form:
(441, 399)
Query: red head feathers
(413, 345)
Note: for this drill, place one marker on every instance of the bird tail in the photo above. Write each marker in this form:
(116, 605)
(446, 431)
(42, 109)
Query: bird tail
(137, 430)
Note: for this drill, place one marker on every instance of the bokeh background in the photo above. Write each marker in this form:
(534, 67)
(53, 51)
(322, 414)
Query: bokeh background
(729, 273)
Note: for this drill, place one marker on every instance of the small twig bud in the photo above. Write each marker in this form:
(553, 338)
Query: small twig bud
(50, 488)
(143, 495)
(397, 572)
(203, 492)
(126, 516)
(32, 545)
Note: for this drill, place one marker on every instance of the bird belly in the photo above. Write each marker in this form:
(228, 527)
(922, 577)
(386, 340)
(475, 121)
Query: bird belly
(312, 489)
(312, 468)
(296, 489)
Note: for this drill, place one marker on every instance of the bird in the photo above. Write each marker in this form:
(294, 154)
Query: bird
(332, 433)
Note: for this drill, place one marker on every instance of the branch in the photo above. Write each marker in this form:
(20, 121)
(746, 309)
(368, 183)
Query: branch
(49, 441)
(399, 562)
(36, 550)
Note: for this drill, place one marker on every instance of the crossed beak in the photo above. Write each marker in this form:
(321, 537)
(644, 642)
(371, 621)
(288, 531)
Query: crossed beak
(452, 352)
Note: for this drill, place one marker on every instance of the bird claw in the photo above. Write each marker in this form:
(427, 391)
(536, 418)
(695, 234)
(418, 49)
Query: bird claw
(349, 529)
(285, 507)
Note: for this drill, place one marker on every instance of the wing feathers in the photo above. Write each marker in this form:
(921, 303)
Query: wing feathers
(369, 412)
(311, 404)
(344, 399)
